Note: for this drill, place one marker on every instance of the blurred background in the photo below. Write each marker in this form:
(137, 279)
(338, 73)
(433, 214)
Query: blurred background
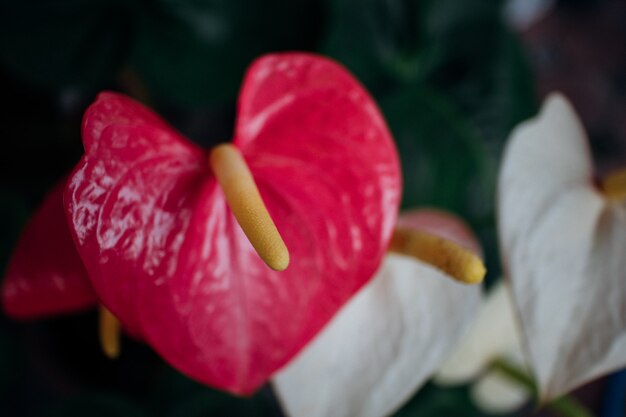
(451, 76)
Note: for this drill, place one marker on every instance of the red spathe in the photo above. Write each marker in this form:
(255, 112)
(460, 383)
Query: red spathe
(165, 254)
(45, 275)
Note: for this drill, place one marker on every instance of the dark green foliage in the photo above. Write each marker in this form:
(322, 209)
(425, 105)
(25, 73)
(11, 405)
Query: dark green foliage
(94, 405)
(190, 52)
(70, 42)
(433, 401)
(196, 52)
(444, 161)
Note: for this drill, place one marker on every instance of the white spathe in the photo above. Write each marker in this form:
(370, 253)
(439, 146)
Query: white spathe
(493, 335)
(563, 245)
(522, 14)
(382, 346)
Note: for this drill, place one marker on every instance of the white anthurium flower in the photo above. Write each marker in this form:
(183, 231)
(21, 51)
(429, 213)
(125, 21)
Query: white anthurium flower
(563, 241)
(492, 336)
(522, 14)
(385, 342)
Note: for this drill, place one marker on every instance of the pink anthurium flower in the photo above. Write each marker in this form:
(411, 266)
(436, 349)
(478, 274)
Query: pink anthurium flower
(46, 276)
(563, 240)
(165, 254)
(169, 252)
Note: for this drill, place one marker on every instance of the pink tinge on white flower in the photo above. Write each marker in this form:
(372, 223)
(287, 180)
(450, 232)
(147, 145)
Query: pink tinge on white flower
(563, 245)
(442, 224)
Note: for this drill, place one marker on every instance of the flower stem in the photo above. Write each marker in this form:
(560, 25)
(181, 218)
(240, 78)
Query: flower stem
(565, 406)
(109, 333)
(568, 406)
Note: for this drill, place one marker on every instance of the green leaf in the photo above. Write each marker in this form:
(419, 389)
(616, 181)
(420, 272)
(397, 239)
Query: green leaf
(403, 41)
(172, 388)
(13, 216)
(433, 401)
(380, 41)
(461, 27)
(73, 42)
(213, 403)
(11, 363)
(444, 161)
(178, 396)
(195, 52)
(93, 405)
(497, 91)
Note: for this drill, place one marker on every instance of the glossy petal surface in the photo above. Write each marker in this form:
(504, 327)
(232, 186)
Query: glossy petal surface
(168, 258)
(563, 246)
(45, 274)
(383, 344)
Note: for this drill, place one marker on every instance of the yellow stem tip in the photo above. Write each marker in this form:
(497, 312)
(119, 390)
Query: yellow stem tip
(109, 333)
(614, 185)
(244, 200)
(451, 258)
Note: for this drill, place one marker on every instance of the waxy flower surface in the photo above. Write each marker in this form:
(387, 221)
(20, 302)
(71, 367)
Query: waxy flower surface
(165, 254)
(563, 241)
(45, 275)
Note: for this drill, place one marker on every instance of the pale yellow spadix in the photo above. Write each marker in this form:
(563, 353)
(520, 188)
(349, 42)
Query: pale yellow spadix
(614, 185)
(451, 258)
(242, 195)
(109, 333)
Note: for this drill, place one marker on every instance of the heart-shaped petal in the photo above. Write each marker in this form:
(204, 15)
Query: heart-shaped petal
(386, 342)
(563, 245)
(45, 274)
(168, 258)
